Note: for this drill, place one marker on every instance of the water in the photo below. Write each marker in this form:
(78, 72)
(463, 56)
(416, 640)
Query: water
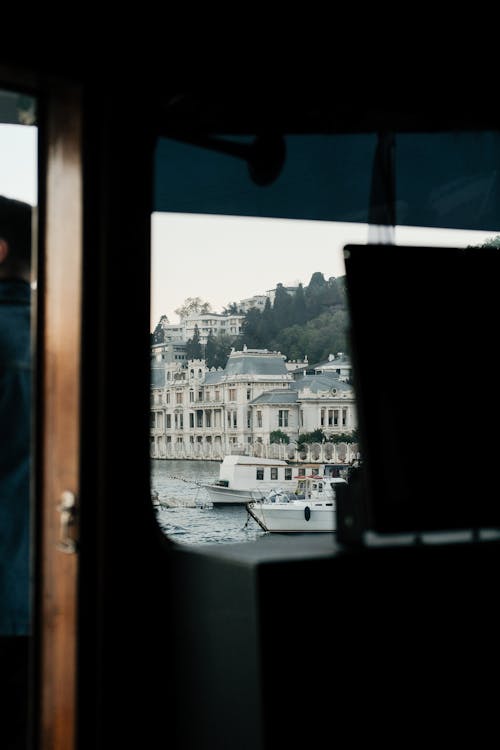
(179, 481)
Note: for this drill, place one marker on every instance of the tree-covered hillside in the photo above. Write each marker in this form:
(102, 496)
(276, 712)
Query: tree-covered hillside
(312, 322)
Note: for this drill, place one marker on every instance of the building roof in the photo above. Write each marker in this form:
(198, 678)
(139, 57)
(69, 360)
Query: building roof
(282, 396)
(321, 383)
(212, 378)
(255, 362)
(339, 361)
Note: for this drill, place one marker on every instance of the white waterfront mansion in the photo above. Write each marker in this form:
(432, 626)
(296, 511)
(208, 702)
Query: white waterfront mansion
(202, 413)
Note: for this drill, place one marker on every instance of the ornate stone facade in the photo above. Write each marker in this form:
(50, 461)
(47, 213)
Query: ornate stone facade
(201, 413)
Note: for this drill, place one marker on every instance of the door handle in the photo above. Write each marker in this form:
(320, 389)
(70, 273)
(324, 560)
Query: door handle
(68, 513)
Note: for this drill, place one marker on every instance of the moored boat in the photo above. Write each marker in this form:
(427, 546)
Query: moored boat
(310, 508)
(242, 478)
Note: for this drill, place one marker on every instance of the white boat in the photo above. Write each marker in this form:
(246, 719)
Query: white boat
(242, 478)
(311, 508)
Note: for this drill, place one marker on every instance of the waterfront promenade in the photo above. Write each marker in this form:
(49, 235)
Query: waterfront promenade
(311, 453)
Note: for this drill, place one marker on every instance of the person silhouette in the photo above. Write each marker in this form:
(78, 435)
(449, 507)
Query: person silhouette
(15, 461)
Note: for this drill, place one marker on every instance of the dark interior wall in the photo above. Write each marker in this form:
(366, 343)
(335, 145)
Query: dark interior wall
(392, 645)
(214, 652)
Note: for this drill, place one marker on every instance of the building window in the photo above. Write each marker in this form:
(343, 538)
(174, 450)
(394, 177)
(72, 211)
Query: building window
(169, 421)
(344, 417)
(200, 395)
(330, 417)
(191, 421)
(217, 394)
(322, 418)
(283, 418)
(259, 474)
(259, 419)
(232, 394)
(249, 418)
(288, 473)
(208, 419)
(302, 417)
(274, 472)
(178, 397)
(248, 394)
(335, 417)
(191, 397)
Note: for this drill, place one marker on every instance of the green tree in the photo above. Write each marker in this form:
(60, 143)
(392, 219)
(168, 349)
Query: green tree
(193, 305)
(332, 296)
(316, 436)
(158, 335)
(193, 347)
(282, 307)
(345, 437)
(268, 325)
(492, 242)
(222, 350)
(231, 309)
(299, 309)
(211, 350)
(315, 293)
(317, 339)
(278, 436)
(252, 329)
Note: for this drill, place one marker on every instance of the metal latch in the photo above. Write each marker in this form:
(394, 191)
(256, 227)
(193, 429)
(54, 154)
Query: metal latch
(68, 512)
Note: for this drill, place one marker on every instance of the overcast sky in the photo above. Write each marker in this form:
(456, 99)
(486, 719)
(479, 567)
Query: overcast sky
(221, 259)
(226, 259)
(18, 162)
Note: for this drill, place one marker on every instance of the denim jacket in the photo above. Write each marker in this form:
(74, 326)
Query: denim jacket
(15, 427)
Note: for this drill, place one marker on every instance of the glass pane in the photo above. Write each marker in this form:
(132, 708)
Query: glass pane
(18, 199)
(250, 355)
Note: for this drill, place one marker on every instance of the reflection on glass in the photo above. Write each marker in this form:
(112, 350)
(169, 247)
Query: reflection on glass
(251, 383)
(17, 200)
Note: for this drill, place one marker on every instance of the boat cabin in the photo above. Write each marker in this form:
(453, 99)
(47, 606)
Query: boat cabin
(244, 472)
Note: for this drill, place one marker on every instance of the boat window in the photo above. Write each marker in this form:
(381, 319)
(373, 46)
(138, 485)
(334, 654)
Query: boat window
(273, 342)
(18, 313)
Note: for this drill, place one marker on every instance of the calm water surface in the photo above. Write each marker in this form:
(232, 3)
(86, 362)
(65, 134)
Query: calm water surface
(179, 482)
